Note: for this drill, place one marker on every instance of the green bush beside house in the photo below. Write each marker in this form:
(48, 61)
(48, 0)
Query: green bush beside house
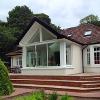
(6, 87)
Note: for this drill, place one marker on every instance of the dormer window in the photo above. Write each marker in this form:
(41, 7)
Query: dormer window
(87, 33)
(69, 35)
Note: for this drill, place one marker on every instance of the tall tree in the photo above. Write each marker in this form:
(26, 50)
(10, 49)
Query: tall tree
(7, 38)
(45, 18)
(20, 17)
(90, 19)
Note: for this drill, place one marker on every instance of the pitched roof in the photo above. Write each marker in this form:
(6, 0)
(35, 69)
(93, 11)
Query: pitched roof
(17, 51)
(47, 27)
(77, 34)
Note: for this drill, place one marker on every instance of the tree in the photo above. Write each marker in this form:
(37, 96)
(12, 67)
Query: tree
(90, 19)
(45, 18)
(57, 28)
(20, 17)
(7, 38)
(6, 87)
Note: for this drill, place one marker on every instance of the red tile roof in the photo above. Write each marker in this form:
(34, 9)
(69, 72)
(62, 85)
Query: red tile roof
(77, 33)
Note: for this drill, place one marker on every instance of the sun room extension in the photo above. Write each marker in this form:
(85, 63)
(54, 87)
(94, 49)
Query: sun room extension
(41, 49)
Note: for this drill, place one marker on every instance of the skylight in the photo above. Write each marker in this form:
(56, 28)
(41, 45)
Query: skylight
(88, 33)
(69, 35)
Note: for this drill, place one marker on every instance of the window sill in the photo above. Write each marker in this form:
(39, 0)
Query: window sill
(93, 66)
(50, 67)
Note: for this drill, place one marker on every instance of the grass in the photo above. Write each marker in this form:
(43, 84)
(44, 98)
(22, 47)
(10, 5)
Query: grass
(41, 95)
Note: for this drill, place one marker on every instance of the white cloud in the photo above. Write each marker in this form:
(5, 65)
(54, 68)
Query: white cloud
(65, 13)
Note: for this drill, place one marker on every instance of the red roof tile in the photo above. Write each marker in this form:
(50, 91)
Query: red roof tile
(77, 33)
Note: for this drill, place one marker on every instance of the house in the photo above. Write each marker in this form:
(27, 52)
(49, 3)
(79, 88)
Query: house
(47, 52)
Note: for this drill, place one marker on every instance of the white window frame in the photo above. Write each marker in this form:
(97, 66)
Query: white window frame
(68, 54)
(88, 56)
(18, 60)
(95, 52)
(41, 43)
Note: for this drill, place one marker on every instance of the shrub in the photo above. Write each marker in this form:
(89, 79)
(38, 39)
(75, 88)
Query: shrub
(38, 95)
(6, 87)
(66, 97)
(53, 96)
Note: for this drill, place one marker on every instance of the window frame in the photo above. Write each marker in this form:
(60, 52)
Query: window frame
(88, 56)
(96, 55)
(18, 59)
(35, 45)
(68, 54)
(88, 33)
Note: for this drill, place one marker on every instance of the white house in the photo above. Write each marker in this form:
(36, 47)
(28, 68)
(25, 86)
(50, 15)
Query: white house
(47, 52)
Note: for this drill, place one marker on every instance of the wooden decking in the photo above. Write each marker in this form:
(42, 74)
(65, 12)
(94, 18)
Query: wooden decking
(72, 83)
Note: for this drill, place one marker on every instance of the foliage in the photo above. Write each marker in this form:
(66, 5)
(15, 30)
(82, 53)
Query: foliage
(38, 95)
(90, 19)
(20, 17)
(45, 18)
(53, 96)
(6, 87)
(66, 97)
(57, 28)
(7, 37)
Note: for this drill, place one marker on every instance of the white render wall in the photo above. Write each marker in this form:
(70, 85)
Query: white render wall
(95, 68)
(76, 58)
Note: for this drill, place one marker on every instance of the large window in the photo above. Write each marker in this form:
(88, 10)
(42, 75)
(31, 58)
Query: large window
(43, 55)
(96, 55)
(53, 54)
(88, 55)
(31, 57)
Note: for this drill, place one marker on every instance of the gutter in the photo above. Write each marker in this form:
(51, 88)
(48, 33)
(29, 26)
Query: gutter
(82, 62)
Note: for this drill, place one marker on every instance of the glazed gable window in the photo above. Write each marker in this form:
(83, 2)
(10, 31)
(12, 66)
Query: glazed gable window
(96, 55)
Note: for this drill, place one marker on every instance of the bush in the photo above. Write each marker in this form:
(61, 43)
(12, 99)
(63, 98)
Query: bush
(6, 87)
(66, 97)
(53, 96)
(38, 95)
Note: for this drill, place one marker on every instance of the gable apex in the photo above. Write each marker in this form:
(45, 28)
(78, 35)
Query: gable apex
(36, 20)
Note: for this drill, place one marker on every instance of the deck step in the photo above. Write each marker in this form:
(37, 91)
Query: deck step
(91, 85)
(59, 83)
(55, 88)
(80, 78)
(54, 82)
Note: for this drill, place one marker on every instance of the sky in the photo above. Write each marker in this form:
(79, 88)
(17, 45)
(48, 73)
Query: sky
(63, 13)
